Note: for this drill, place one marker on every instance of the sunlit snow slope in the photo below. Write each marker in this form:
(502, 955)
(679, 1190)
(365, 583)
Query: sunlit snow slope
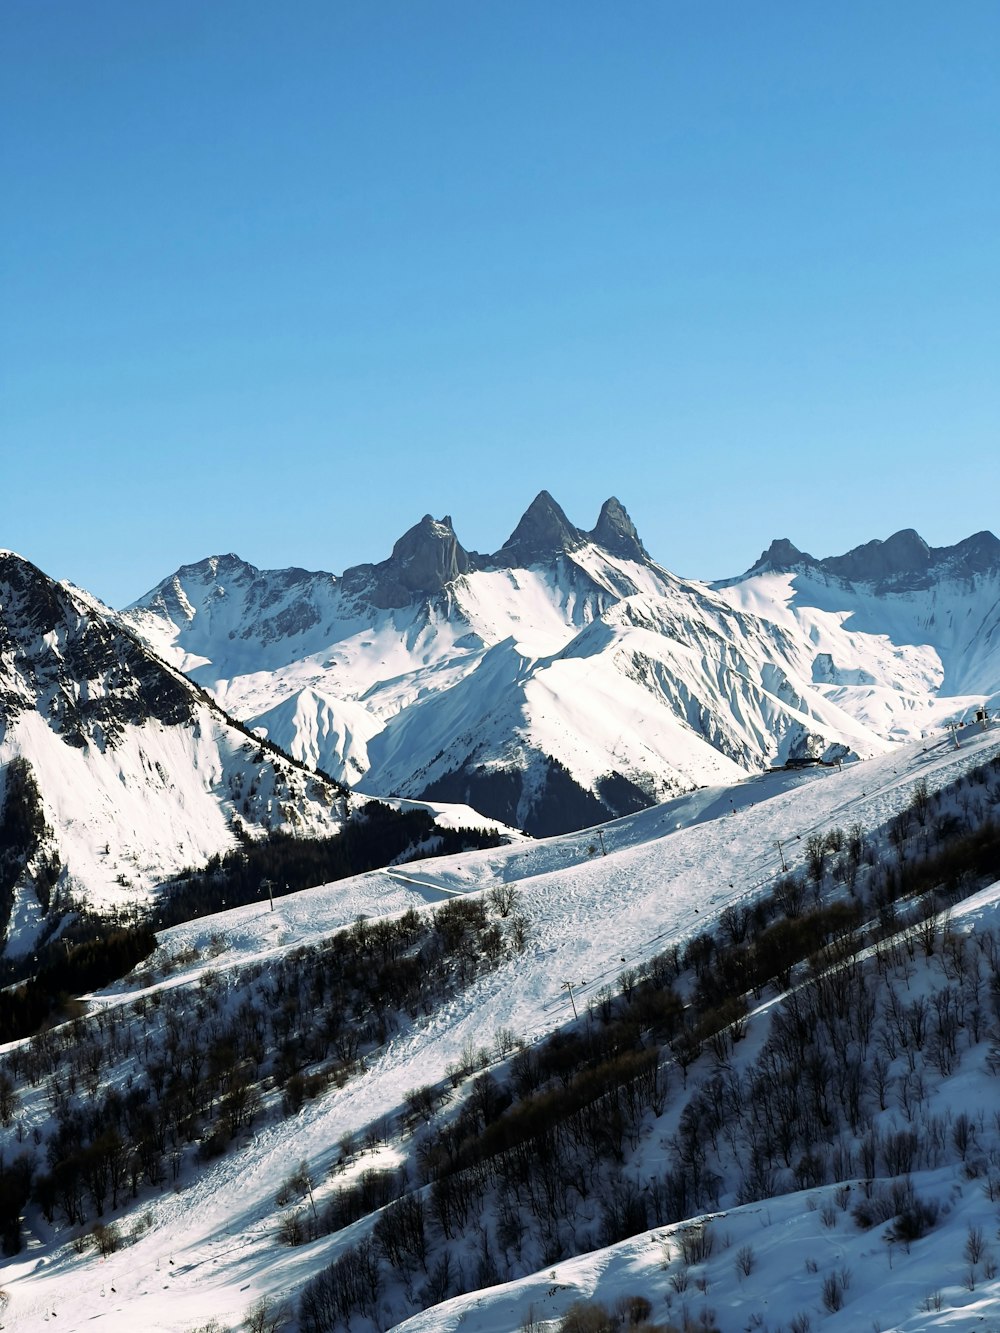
(211, 1249)
(135, 772)
(902, 636)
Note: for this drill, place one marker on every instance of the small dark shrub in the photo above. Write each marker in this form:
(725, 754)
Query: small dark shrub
(587, 1317)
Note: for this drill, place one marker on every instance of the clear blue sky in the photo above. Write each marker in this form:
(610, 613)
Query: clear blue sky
(280, 278)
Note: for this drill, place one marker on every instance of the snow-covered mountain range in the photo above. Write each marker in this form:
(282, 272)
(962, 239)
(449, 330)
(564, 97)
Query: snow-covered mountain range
(115, 770)
(568, 676)
(562, 679)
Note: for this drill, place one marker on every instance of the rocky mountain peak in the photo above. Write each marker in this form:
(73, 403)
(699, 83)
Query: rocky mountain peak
(267, 604)
(63, 657)
(616, 532)
(214, 572)
(902, 561)
(423, 562)
(978, 554)
(905, 552)
(544, 531)
(229, 568)
(28, 598)
(429, 555)
(781, 555)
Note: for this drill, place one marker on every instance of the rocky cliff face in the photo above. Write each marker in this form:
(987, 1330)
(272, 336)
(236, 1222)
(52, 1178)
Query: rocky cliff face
(425, 561)
(543, 532)
(61, 656)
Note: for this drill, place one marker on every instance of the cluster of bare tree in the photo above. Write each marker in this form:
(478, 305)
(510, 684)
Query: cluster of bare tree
(196, 1068)
(541, 1143)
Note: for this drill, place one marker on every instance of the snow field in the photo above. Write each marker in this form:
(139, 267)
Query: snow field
(667, 873)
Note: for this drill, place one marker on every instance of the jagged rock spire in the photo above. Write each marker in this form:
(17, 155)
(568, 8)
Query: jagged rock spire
(616, 532)
(544, 531)
(429, 555)
(424, 561)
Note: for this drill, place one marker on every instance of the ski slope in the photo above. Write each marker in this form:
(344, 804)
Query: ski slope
(211, 1248)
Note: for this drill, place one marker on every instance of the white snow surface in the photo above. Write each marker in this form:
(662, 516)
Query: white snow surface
(211, 1249)
(163, 799)
(902, 662)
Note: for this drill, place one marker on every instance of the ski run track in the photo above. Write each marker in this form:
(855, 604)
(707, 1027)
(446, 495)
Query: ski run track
(595, 902)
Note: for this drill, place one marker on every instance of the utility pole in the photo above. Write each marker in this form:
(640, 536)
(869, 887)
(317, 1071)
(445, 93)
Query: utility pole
(777, 843)
(266, 884)
(569, 986)
(604, 850)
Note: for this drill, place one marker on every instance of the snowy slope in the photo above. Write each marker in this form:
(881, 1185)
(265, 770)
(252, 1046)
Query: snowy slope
(210, 1250)
(902, 636)
(649, 691)
(139, 774)
(790, 1247)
